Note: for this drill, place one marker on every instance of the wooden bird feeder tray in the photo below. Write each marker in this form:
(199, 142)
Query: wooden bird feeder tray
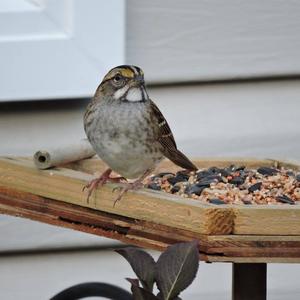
(152, 219)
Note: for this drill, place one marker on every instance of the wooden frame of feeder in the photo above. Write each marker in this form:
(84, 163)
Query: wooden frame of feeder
(241, 234)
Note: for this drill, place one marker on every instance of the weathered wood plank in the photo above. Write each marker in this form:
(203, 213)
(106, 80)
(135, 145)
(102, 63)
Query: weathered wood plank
(66, 185)
(264, 220)
(252, 246)
(286, 260)
(75, 217)
(148, 234)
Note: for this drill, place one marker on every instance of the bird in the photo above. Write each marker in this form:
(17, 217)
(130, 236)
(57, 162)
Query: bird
(128, 131)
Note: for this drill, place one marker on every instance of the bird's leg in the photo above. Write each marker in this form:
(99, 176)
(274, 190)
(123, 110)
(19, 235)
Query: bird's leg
(100, 181)
(137, 184)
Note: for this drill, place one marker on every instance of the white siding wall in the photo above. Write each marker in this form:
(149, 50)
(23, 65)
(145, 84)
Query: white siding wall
(259, 118)
(210, 40)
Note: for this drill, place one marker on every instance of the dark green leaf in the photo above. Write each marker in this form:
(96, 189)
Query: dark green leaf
(176, 268)
(138, 292)
(159, 296)
(142, 264)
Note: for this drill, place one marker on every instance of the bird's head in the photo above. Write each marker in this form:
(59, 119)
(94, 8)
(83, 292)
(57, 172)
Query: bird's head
(124, 83)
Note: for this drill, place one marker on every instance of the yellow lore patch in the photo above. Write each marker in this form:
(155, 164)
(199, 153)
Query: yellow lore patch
(126, 72)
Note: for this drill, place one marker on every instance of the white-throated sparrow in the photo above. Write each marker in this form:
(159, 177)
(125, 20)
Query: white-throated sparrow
(127, 130)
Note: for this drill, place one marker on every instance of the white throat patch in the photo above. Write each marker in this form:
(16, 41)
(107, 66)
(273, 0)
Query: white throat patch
(121, 92)
(134, 94)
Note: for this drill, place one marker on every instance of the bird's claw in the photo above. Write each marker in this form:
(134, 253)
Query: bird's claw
(93, 184)
(86, 187)
(116, 188)
(124, 189)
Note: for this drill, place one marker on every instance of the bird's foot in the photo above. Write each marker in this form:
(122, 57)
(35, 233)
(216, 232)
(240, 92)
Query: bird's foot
(136, 185)
(100, 181)
(117, 179)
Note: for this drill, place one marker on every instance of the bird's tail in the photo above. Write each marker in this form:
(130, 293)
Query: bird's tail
(178, 158)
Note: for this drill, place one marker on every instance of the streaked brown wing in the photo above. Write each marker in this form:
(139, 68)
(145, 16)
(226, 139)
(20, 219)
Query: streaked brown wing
(166, 139)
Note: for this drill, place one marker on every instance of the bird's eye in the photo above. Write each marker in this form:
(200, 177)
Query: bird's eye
(117, 78)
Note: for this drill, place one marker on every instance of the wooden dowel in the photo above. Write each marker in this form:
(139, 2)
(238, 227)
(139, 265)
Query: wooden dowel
(44, 159)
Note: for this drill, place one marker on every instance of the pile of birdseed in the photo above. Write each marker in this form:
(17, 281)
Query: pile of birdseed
(232, 185)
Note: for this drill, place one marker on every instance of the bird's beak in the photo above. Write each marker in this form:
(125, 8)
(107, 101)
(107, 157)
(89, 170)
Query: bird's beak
(138, 81)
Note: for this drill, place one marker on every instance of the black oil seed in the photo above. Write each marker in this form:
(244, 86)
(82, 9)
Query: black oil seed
(237, 180)
(205, 183)
(290, 173)
(224, 172)
(216, 201)
(214, 170)
(154, 186)
(178, 178)
(175, 189)
(255, 187)
(194, 189)
(241, 168)
(285, 199)
(162, 174)
(247, 202)
(183, 175)
(214, 178)
(267, 171)
(231, 168)
(203, 174)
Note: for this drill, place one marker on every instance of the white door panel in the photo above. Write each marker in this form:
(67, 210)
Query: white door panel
(58, 48)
